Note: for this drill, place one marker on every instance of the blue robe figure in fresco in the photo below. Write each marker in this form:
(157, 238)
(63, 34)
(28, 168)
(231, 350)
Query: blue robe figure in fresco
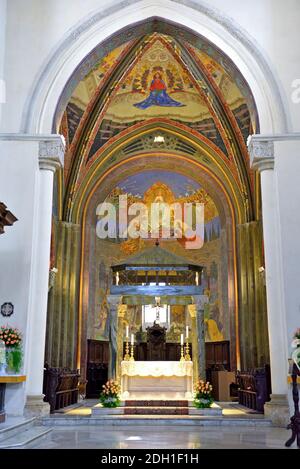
(158, 95)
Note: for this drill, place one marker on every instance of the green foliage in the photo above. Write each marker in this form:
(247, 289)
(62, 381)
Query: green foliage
(14, 358)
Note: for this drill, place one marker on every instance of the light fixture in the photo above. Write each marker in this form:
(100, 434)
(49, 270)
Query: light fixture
(159, 139)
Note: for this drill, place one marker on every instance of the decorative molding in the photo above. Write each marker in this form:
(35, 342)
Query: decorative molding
(51, 147)
(261, 152)
(16, 137)
(7, 309)
(261, 149)
(169, 142)
(51, 153)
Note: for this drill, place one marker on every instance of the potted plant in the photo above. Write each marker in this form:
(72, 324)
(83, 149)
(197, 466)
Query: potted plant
(12, 339)
(202, 395)
(110, 395)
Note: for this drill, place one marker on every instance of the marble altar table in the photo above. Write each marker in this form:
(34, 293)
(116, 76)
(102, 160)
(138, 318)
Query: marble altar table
(157, 380)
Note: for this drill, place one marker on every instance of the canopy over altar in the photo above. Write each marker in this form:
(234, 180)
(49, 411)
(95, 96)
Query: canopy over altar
(150, 276)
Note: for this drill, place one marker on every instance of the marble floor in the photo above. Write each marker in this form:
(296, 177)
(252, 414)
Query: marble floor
(164, 437)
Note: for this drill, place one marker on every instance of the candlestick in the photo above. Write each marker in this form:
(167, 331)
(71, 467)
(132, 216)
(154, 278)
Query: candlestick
(132, 349)
(182, 359)
(187, 356)
(126, 356)
(187, 332)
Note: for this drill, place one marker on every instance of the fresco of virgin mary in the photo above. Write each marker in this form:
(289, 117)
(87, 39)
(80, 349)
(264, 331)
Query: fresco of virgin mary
(158, 95)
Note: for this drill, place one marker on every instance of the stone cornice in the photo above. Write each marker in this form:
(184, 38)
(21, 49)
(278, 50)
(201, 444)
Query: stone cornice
(51, 154)
(51, 148)
(261, 154)
(261, 149)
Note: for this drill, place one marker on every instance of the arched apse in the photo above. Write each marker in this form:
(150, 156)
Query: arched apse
(208, 112)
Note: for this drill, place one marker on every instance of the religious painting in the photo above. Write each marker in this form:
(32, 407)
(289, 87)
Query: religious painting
(158, 95)
(160, 185)
(157, 86)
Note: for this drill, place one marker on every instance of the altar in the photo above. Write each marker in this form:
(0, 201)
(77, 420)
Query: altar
(156, 380)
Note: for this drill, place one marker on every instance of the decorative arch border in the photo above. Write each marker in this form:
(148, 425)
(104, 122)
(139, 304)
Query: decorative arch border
(234, 221)
(203, 145)
(227, 35)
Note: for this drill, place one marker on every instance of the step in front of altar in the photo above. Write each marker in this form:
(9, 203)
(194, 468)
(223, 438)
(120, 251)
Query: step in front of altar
(156, 407)
(156, 410)
(156, 403)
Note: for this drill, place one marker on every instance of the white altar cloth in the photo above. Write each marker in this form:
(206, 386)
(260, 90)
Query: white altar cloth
(156, 380)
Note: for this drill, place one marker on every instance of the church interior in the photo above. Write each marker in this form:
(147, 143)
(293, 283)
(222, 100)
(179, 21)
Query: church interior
(154, 113)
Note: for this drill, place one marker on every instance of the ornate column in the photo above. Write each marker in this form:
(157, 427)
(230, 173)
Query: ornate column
(63, 298)
(199, 341)
(51, 152)
(194, 337)
(113, 302)
(121, 315)
(262, 159)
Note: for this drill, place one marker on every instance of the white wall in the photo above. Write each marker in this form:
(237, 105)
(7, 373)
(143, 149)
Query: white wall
(19, 170)
(2, 52)
(287, 171)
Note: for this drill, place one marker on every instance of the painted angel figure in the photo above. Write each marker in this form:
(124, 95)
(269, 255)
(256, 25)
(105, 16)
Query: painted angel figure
(158, 95)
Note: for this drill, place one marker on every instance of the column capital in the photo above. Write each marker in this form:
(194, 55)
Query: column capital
(114, 300)
(200, 301)
(261, 150)
(51, 153)
(51, 147)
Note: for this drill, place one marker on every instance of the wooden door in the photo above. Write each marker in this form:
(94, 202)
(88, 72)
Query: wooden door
(97, 367)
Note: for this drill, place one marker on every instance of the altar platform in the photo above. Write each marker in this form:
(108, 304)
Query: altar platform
(156, 380)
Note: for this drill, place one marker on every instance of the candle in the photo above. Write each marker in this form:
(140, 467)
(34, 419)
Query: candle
(181, 339)
(127, 332)
(187, 332)
(132, 339)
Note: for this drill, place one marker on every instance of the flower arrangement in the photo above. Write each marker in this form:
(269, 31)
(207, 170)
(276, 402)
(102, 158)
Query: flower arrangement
(110, 395)
(296, 345)
(202, 395)
(12, 339)
(10, 336)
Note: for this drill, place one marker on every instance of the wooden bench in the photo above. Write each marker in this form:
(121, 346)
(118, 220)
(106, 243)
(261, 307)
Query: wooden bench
(60, 387)
(254, 388)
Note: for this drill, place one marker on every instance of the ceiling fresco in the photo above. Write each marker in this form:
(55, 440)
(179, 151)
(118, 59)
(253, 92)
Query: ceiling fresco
(158, 74)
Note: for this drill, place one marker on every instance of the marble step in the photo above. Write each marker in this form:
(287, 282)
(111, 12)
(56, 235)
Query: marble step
(25, 439)
(155, 403)
(14, 426)
(155, 420)
(147, 410)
